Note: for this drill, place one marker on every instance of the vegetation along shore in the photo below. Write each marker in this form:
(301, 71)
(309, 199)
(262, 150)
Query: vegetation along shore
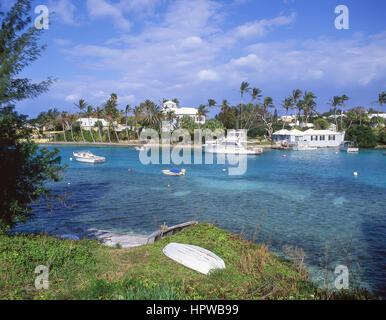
(86, 269)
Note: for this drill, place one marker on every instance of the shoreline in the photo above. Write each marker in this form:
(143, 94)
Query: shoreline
(131, 145)
(138, 144)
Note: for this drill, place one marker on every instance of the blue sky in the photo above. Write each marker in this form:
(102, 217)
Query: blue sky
(195, 50)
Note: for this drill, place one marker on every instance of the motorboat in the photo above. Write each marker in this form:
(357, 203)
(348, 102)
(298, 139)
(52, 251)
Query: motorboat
(174, 172)
(231, 146)
(87, 156)
(140, 148)
(349, 146)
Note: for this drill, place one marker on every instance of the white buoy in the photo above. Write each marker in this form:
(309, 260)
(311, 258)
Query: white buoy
(70, 159)
(224, 170)
(355, 173)
(68, 183)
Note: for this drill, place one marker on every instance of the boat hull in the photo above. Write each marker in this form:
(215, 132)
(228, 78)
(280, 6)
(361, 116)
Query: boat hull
(89, 160)
(232, 151)
(194, 257)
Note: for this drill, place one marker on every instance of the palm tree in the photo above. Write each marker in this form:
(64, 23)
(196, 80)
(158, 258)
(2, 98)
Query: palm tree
(98, 112)
(202, 111)
(342, 99)
(176, 101)
(381, 100)
(268, 103)
(63, 121)
(335, 102)
(111, 113)
(127, 110)
(152, 114)
(296, 94)
(287, 103)
(89, 113)
(244, 87)
(211, 103)
(137, 115)
(309, 103)
(72, 118)
(81, 105)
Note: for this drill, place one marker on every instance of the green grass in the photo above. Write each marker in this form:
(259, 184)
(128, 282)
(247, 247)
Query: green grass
(88, 270)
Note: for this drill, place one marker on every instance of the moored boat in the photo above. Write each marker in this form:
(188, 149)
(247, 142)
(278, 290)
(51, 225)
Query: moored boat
(88, 157)
(174, 172)
(349, 146)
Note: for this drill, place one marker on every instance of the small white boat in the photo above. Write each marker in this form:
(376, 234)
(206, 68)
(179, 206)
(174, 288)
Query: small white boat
(349, 146)
(194, 257)
(88, 157)
(174, 172)
(231, 146)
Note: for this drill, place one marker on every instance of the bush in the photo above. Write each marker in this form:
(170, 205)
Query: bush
(364, 136)
(382, 137)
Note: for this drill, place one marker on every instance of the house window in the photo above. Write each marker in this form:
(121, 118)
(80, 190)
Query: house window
(322, 138)
(314, 138)
(331, 137)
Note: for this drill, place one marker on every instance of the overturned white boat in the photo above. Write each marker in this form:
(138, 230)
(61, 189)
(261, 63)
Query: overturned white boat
(88, 157)
(194, 257)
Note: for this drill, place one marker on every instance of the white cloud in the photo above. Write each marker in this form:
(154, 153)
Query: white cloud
(102, 9)
(63, 42)
(260, 28)
(65, 10)
(207, 75)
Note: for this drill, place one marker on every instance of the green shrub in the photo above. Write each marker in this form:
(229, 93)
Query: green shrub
(364, 136)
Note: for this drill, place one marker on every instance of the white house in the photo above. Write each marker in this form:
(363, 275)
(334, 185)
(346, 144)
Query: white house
(89, 123)
(381, 115)
(180, 112)
(313, 138)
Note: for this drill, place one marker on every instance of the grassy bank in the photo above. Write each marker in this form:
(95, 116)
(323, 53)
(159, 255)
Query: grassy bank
(88, 270)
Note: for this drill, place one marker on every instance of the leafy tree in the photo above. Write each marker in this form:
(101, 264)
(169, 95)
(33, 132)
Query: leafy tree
(188, 123)
(321, 123)
(18, 50)
(227, 115)
(213, 125)
(363, 135)
(24, 169)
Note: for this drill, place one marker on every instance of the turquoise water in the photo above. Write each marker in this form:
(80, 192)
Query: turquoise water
(309, 199)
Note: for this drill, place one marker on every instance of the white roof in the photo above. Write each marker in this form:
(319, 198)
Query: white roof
(282, 132)
(320, 132)
(296, 132)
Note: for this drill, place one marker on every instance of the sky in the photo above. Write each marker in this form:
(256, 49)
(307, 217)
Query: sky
(196, 50)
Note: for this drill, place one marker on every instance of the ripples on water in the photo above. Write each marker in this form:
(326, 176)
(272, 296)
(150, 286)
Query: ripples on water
(309, 199)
